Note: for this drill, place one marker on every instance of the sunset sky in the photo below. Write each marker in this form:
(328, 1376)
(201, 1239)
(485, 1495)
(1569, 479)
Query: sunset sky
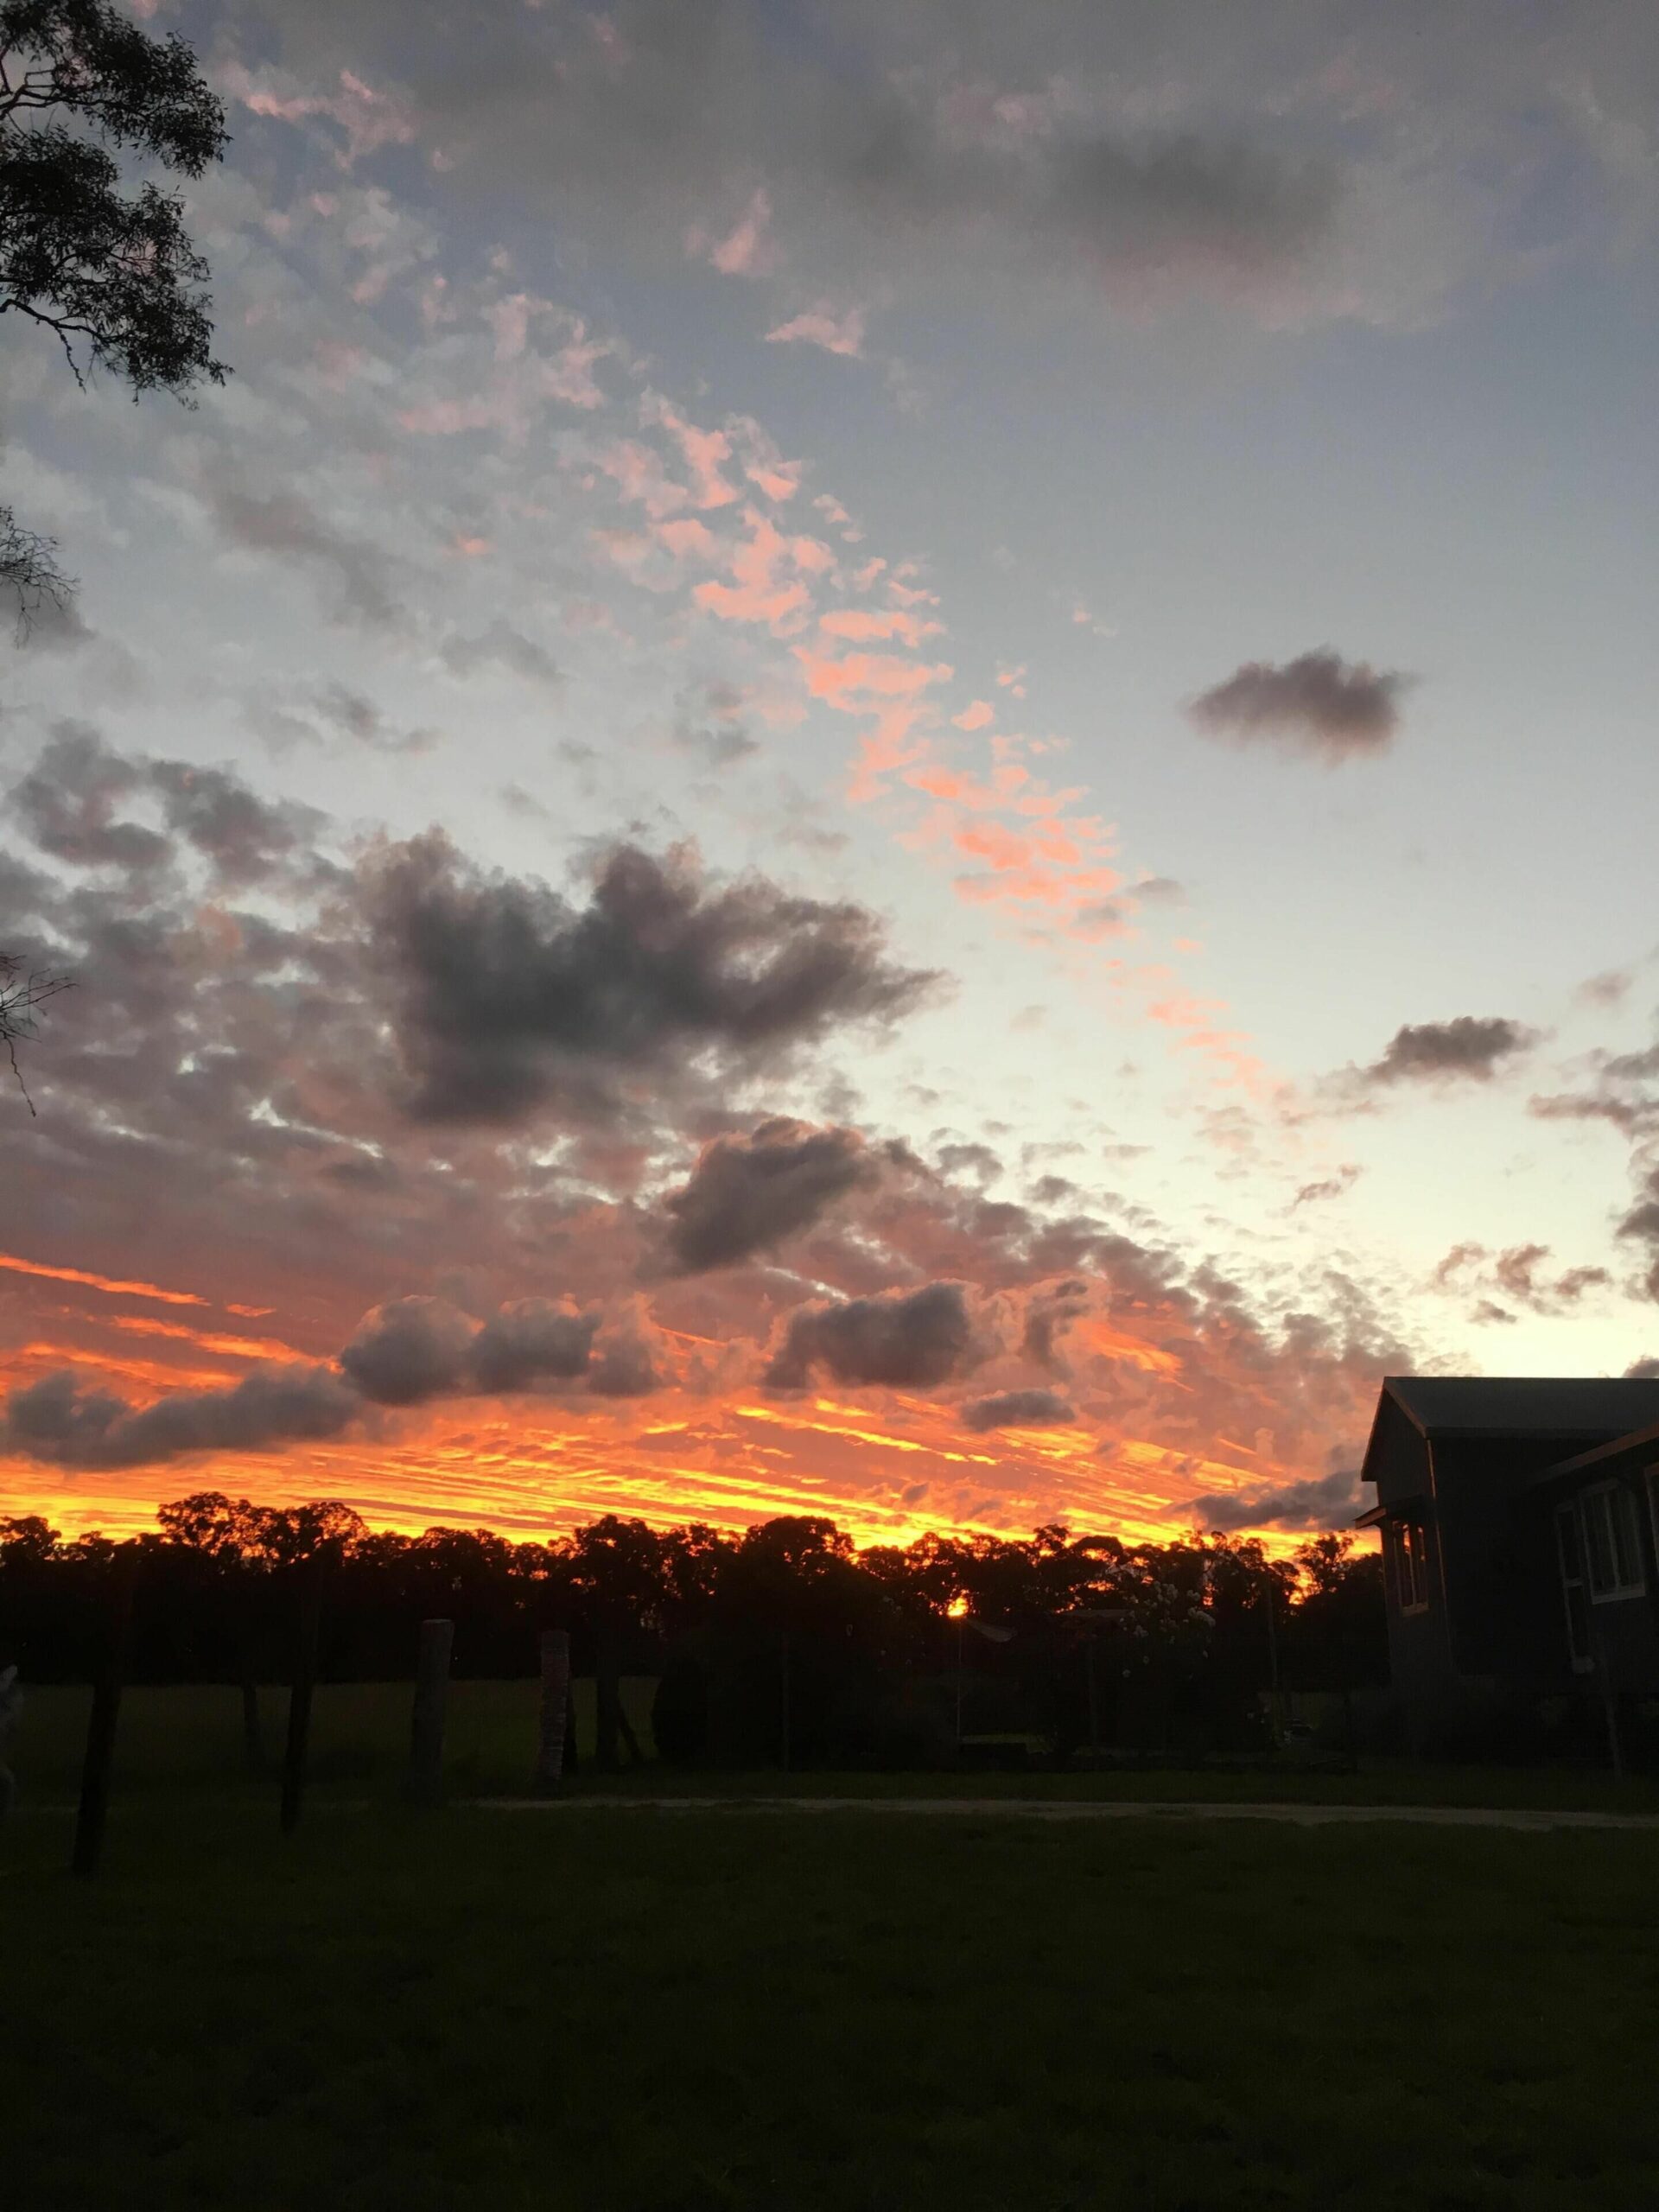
(886, 760)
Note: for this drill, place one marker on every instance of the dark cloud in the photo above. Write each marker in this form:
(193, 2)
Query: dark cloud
(532, 1340)
(412, 1349)
(499, 645)
(1641, 1223)
(624, 1367)
(886, 153)
(58, 1421)
(246, 838)
(1319, 704)
(904, 1339)
(713, 723)
(1469, 1048)
(353, 576)
(748, 1193)
(73, 804)
(1328, 1186)
(1643, 1371)
(1018, 1409)
(1517, 1274)
(1332, 1500)
(970, 1159)
(508, 998)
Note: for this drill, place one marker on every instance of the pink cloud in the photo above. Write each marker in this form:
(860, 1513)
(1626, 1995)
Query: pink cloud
(863, 625)
(704, 451)
(821, 325)
(976, 715)
(369, 119)
(766, 585)
(747, 249)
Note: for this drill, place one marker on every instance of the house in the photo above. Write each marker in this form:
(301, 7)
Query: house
(1520, 1522)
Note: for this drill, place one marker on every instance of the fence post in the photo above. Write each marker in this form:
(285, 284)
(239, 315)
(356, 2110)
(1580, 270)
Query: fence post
(556, 1699)
(607, 1702)
(99, 1761)
(425, 1781)
(299, 1697)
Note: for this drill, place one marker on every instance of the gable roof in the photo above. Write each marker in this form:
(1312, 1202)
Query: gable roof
(1526, 1405)
(1592, 1409)
(1641, 1445)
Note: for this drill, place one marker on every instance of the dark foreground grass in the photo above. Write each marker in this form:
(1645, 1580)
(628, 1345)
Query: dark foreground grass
(191, 1738)
(663, 2011)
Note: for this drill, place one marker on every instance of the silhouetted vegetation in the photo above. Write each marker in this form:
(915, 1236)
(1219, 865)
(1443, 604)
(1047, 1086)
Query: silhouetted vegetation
(113, 277)
(780, 1646)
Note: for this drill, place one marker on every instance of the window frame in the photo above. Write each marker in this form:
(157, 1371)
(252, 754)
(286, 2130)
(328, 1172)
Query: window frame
(1608, 1514)
(1569, 1528)
(1411, 1577)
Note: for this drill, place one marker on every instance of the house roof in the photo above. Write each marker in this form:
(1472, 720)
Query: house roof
(1642, 1445)
(1526, 1405)
(1573, 1407)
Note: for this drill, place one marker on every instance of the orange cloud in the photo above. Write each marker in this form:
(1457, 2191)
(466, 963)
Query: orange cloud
(114, 1286)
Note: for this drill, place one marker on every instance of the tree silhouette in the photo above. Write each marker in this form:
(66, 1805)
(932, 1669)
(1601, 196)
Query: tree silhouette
(113, 275)
(23, 991)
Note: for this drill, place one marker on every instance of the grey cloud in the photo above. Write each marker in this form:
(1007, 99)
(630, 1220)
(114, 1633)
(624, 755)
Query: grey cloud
(1331, 1501)
(748, 1193)
(911, 1339)
(623, 1368)
(1470, 1048)
(1318, 704)
(245, 837)
(712, 723)
(1641, 1223)
(412, 1349)
(510, 998)
(499, 645)
(1328, 1186)
(1018, 1409)
(530, 1341)
(354, 576)
(72, 803)
(56, 1422)
(1643, 1371)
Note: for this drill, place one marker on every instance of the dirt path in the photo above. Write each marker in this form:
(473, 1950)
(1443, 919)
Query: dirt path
(1057, 1809)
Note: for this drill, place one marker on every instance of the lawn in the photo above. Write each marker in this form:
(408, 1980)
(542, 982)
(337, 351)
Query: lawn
(657, 2012)
(192, 1737)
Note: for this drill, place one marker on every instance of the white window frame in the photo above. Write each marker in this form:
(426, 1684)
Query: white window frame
(1569, 1525)
(1624, 1578)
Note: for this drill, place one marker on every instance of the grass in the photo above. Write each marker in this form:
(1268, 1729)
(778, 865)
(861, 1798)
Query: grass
(191, 1738)
(634, 2011)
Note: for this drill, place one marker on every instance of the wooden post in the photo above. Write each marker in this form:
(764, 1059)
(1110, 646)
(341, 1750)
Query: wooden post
(425, 1781)
(608, 1703)
(556, 1709)
(99, 1765)
(253, 1734)
(299, 1697)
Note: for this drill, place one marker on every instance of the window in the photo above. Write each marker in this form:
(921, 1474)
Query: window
(1612, 1544)
(1570, 1545)
(1410, 1565)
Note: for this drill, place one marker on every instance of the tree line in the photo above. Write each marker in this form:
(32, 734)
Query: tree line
(783, 1637)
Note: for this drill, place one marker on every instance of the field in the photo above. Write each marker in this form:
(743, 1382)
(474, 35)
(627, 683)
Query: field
(191, 1739)
(635, 2009)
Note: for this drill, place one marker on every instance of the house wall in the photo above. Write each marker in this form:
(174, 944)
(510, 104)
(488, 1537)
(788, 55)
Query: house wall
(1626, 1630)
(1508, 1623)
(1421, 1665)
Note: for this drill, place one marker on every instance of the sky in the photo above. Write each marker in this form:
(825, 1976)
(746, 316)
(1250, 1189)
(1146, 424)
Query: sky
(894, 762)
